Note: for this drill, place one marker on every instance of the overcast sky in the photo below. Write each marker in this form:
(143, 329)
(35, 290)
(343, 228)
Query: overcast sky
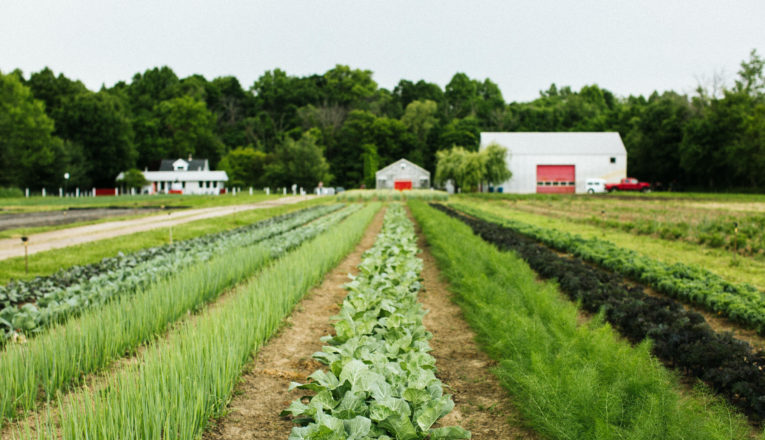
(628, 47)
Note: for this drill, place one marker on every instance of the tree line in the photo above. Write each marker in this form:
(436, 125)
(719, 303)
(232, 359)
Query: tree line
(340, 127)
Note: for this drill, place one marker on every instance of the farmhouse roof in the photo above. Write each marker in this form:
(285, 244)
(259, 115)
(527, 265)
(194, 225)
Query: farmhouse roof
(398, 163)
(183, 176)
(193, 164)
(556, 143)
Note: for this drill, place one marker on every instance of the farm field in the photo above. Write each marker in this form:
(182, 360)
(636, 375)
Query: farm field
(710, 221)
(458, 321)
(47, 262)
(733, 267)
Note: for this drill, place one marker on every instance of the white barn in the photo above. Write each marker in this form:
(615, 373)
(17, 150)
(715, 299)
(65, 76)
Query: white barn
(559, 162)
(181, 176)
(402, 174)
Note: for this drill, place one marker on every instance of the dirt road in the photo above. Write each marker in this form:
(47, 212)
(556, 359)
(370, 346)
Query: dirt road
(68, 237)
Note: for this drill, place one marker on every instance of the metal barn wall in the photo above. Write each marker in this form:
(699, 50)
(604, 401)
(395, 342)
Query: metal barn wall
(524, 169)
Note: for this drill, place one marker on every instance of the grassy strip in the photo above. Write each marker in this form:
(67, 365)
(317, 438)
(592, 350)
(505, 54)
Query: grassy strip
(728, 265)
(569, 381)
(187, 378)
(742, 303)
(36, 203)
(47, 263)
(55, 360)
(381, 381)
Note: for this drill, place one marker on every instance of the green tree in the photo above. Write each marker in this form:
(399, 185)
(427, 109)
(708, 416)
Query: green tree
(245, 167)
(420, 117)
(187, 128)
(371, 164)
(299, 162)
(465, 132)
(449, 165)
(30, 156)
(349, 87)
(495, 159)
(100, 124)
(461, 95)
(133, 178)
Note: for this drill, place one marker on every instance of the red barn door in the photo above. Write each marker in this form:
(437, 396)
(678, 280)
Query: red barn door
(556, 179)
(402, 184)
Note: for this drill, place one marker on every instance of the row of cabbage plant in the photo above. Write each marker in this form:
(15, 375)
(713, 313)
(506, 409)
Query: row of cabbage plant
(29, 307)
(381, 382)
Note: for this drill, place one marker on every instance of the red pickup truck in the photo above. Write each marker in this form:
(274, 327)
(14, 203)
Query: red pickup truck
(629, 184)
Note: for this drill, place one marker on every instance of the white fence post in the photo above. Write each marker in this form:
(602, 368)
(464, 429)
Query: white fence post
(26, 192)
(250, 190)
(116, 191)
(268, 191)
(61, 192)
(94, 192)
(77, 191)
(43, 192)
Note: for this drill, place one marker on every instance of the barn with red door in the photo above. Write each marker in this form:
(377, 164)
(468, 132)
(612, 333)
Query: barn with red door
(550, 163)
(402, 175)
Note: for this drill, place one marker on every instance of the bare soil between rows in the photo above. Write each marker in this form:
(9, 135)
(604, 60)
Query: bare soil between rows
(481, 404)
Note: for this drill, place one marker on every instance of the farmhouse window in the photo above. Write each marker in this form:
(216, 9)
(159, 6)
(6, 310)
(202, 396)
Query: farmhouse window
(613, 160)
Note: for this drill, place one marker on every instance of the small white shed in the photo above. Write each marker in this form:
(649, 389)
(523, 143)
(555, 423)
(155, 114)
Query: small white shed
(559, 162)
(401, 175)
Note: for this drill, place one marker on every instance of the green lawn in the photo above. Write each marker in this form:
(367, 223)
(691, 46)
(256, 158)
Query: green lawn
(38, 203)
(46, 263)
(732, 267)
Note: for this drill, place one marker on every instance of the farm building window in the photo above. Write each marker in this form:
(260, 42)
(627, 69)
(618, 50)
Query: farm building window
(572, 183)
(613, 160)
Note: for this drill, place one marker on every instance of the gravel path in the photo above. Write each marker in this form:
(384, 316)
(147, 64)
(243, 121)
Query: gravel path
(45, 241)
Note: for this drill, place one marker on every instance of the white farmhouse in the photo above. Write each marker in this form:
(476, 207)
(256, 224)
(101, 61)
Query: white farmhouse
(192, 176)
(559, 162)
(402, 175)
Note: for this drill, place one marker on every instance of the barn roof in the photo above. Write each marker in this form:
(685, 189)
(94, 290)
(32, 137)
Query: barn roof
(557, 143)
(399, 162)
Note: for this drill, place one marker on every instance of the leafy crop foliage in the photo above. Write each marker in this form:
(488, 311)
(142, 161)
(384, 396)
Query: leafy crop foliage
(381, 382)
(742, 302)
(365, 195)
(569, 381)
(56, 360)
(682, 339)
(187, 378)
(31, 306)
